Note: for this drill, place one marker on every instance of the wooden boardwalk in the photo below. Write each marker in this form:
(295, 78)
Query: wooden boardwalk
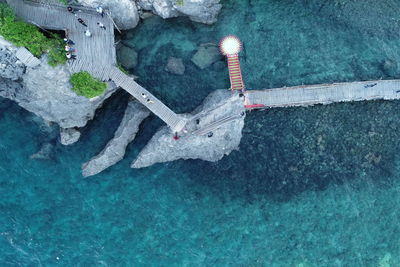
(95, 54)
(324, 93)
(27, 58)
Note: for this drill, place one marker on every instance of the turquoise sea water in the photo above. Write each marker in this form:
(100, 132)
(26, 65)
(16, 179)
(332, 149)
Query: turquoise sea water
(312, 186)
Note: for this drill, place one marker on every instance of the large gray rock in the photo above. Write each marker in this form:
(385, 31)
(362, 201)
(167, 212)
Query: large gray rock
(114, 151)
(69, 136)
(201, 141)
(206, 55)
(123, 12)
(47, 93)
(128, 57)
(204, 11)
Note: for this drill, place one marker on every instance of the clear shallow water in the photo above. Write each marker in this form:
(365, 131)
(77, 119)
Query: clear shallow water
(309, 187)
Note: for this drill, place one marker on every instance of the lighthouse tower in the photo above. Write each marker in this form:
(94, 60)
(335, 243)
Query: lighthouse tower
(230, 46)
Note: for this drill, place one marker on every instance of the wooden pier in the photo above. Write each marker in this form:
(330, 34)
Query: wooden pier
(309, 95)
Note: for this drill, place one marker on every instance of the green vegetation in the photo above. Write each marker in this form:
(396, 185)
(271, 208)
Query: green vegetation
(179, 2)
(63, 2)
(122, 69)
(85, 85)
(24, 34)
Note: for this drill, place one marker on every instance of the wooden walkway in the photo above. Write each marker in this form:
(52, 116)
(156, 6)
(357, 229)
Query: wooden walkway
(95, 54)
(324, 93)
(27, 58)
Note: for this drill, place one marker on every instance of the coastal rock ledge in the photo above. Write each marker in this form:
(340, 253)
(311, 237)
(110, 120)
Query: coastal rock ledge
(114, 151)
(209, 145)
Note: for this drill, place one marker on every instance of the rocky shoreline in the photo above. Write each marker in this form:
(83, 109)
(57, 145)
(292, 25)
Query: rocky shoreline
(127, 13)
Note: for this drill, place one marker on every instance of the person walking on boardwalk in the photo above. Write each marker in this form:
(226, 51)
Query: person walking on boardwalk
(82, 22)
(101, 25)
(70, 10)
(69, 49)
(70, 56)
(88, 33)
(68, 41)
(99, 10)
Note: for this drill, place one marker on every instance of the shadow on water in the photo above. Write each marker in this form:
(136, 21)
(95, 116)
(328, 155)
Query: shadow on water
(287, 151)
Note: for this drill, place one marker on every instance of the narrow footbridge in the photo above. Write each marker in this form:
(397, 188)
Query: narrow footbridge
(95, 54)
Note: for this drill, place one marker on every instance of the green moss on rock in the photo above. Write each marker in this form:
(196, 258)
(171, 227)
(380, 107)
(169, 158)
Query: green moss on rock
(86, 85)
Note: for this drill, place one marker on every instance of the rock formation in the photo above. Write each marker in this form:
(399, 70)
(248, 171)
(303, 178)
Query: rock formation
(210, 145)
(45, 90)
(69, 136)
(124, 12)
(203, 11)
(114, 151)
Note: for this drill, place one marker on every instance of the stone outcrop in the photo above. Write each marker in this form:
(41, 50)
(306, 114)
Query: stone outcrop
(69, 136)
(209, 143)
(203, 11)
(46, 91)
(114, 151)
(124, 12)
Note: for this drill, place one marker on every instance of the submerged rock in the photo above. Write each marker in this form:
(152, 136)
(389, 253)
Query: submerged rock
(175, 66)
(127, 56)
(114, 151)
(45, 152)
(389, 67)
(69, 136)
(206, 55)
(201, 141)
(124, 12)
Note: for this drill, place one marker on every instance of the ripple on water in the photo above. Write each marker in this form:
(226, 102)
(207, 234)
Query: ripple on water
(308, 187)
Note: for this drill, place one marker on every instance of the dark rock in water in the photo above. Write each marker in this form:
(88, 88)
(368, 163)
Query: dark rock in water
(389, 67)
(219, 66)
(128, 57)
(206, 55)
(45, 152)
(175, 66)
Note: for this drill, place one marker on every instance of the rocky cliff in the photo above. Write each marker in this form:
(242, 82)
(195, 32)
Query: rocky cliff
(45, 90)
(126, 13)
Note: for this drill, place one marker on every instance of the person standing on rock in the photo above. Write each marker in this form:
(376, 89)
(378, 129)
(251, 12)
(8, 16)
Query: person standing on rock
(82, 22)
